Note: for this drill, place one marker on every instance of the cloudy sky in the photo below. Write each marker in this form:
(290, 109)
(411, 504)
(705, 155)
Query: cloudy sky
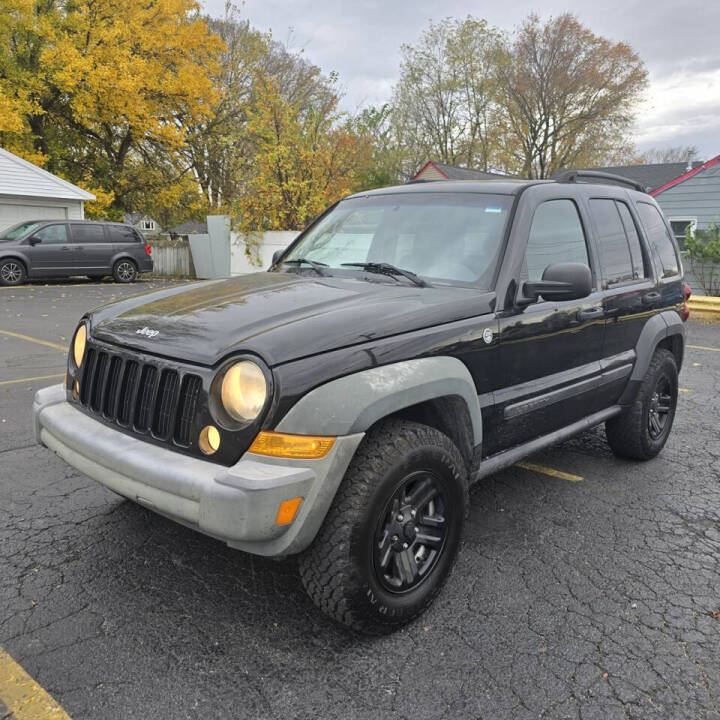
(361, 39)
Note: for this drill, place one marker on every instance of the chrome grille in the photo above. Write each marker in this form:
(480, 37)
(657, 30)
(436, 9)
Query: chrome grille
(142, 396)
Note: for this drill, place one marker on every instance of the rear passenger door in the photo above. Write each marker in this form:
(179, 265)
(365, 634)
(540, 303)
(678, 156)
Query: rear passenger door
(628, 285)
(92, 247)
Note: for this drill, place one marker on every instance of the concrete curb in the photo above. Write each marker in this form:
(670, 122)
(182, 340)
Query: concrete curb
(703, 307)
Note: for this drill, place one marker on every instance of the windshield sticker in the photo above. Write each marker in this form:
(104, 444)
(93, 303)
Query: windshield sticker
(493, 209)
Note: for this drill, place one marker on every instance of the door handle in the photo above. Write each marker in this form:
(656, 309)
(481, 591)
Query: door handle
(651, 297)
(592, 313)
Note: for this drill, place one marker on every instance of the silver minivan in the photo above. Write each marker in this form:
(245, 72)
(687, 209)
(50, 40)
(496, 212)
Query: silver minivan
(60, 248)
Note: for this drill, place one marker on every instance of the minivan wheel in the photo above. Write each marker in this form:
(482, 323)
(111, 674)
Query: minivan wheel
(392, 533)
(124, 271)
(641, 431)
(12, 272)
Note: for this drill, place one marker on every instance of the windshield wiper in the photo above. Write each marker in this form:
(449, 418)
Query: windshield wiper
(318, 267)
(383, 268)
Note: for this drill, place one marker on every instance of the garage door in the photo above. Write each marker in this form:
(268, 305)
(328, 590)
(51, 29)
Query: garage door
(10, 213)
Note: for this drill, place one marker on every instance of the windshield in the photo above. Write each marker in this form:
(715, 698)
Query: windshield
(444, 237)
(16, 231)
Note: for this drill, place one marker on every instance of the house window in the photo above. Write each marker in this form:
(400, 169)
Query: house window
(148, 224)
(679, 226)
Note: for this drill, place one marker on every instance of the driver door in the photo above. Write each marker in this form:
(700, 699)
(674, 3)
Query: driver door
(49, 251)
(550, 351)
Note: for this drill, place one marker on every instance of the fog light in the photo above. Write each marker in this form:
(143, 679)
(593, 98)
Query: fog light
(291, 446)
(287, 511)
(209, 440)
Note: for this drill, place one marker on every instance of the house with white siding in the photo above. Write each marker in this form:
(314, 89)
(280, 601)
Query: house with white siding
(28, 192)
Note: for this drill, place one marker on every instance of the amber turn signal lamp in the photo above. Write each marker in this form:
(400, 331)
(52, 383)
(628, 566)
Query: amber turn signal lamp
(291, 446)
(209, 440)
(287, 511)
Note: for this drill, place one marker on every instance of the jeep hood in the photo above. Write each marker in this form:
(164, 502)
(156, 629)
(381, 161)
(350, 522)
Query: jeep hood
(278, 316)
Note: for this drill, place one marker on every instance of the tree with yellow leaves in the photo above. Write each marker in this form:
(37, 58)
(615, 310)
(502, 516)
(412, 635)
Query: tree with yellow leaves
(101, 92)
(305, 158)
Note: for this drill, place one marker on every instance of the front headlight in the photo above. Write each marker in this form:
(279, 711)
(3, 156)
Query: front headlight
(244, 391)
(78, 347)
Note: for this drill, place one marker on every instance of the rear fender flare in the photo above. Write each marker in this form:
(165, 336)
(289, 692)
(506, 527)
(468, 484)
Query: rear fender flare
(656, 329)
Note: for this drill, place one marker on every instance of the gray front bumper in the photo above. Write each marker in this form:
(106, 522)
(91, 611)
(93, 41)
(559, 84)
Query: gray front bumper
(237, 504)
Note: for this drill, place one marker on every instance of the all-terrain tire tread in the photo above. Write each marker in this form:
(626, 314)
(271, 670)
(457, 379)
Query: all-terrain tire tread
(326, 565)
(624, 433)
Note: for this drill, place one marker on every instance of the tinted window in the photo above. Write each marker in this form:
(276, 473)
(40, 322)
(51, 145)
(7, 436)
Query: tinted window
(659, 239)
(556, 236)
(52, 235)
(633, 240)
(89, 233)
(122, 234)
(613, 246)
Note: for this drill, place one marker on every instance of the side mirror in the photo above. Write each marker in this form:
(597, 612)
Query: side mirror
(562, 281)
(276, 256)
(34, 240)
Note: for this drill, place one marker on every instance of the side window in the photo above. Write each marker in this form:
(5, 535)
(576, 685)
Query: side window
(613, 247)
(122, 234)
(88, 233)
(633, 240)
(52, 235)
(659, 239)
(556, 235)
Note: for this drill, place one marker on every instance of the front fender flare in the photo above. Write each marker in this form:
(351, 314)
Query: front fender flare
(353, 403)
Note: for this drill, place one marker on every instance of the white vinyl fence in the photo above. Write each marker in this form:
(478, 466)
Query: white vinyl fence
(267, 243)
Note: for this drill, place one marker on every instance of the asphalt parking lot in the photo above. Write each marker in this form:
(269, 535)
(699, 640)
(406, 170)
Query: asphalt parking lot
(587, 587)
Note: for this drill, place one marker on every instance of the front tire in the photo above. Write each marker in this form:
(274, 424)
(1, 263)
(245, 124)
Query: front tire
(392, 533)
(12, 272)
(641, 432)
(124, 271)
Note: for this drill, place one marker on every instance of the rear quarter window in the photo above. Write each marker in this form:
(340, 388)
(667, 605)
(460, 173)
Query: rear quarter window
(659, 239)
(122, 234)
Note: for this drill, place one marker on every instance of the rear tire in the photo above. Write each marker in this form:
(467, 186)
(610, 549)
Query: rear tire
(124, 271)
(643, 429)
(12, 272)
(392, 533)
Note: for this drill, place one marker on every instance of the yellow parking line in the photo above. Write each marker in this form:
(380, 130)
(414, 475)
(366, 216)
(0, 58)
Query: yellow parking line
(549, 471)
(55, 346)
(32, 379)
(704, 347)
(23, 698)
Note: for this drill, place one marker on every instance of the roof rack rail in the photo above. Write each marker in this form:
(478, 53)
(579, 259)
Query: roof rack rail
(572, 176)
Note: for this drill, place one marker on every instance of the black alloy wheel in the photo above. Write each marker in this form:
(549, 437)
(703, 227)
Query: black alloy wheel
(642, 430)
(411, 533)
(391, 536)
(661, 404)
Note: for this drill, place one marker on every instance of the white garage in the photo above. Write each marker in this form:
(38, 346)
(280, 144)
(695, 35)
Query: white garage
(28, 192)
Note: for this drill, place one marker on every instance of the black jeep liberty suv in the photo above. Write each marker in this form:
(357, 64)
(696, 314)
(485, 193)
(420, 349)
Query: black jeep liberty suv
(409, 342)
